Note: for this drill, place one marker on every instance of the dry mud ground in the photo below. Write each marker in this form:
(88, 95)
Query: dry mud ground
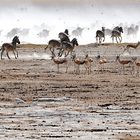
(100, 106)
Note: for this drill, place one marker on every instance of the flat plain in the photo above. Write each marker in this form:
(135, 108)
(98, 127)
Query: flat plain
(36, 102)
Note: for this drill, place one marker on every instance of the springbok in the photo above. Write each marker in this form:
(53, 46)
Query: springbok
(77, 63)
(131, 46)
(116, 33)
(86, 62)
(124, 62)
(68, 47)
(52, 44)
(101, 62)
(99, 35)
(137, 64)
(60, 61)
(10, 47)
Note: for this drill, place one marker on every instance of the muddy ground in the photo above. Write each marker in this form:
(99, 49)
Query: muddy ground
(100, 106)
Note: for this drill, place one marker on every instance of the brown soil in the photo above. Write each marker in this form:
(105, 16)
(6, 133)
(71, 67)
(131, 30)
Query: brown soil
(102, 105)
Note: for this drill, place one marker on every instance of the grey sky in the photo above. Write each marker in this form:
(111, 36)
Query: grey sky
(67, 2)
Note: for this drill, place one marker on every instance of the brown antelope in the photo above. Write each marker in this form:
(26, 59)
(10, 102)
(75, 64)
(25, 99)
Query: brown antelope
(59, 61)
(131, 46)
(86, 62)
(116, 33)
(137, 64)
(77, 63)
(10, 47)
(99, 35)
(101, 61)
(124, 62)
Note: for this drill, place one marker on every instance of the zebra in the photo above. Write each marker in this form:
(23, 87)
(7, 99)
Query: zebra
(116, 33)
(100, 34)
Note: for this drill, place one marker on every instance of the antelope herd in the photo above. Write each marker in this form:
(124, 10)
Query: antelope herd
(65, 47)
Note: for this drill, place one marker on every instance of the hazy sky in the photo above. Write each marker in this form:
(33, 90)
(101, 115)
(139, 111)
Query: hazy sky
(56, 15)
(67, 2)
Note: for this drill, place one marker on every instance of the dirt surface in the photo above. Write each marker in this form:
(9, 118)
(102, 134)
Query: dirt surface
(36, 102)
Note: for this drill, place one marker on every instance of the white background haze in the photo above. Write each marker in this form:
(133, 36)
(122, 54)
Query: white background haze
(38, 21)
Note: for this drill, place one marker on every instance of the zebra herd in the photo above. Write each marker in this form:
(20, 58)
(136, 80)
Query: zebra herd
(67, 46)
(115, 34)
(64, 45)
